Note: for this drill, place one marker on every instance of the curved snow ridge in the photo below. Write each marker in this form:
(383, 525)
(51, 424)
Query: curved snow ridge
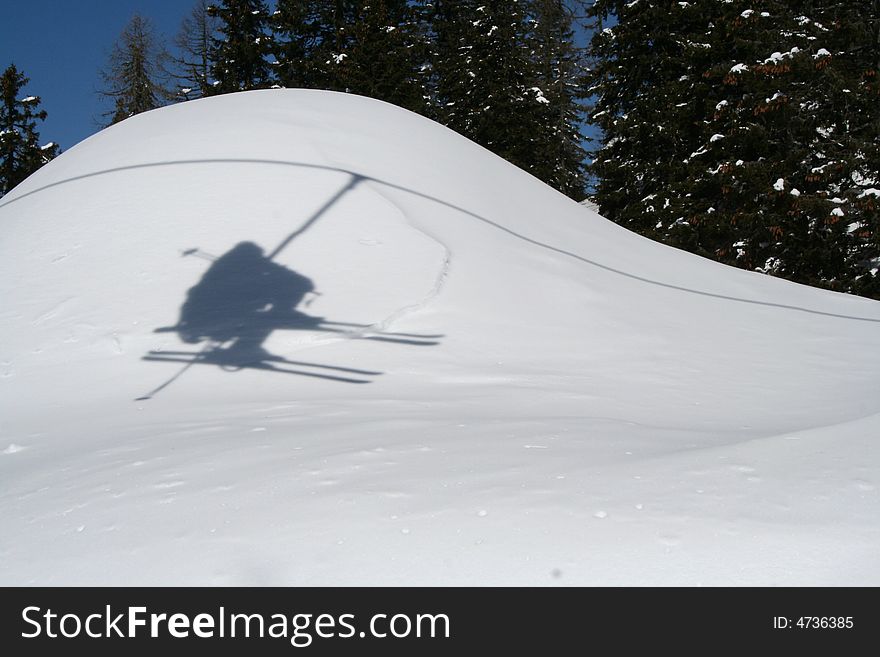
(494, 224)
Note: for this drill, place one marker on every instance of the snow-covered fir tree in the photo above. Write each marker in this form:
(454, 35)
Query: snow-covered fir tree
(192, 64)
(374, 48)
(240, 52)
(505, 74)
(559, 89)
(20, 151)
(746, 131)
(487, 78)
(385, 54)
(302, 30)
(483, 73)
(133, 77)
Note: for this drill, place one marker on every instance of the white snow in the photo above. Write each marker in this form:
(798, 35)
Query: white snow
(779, 185)
(739, 68)
(595, 405)
(859, 179)
(777, 56)
(822, 52)
(539, 95)
(701, 151)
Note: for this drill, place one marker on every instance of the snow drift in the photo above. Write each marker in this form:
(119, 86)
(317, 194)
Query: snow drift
(296, 337)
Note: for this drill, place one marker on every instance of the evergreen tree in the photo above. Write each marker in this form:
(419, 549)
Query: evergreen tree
(505, 74)
(239, 54)
(508, 76)
(560, 81)
(133, 75)
(385, 53)
(485, 77)
(193, 63)
(298, 32)
(20, 150)
(745, 131)
(373, 48)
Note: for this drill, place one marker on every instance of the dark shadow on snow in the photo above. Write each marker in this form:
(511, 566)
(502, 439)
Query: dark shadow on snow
(240, 300)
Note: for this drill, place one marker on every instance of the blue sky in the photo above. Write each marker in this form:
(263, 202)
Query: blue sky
(61, 45)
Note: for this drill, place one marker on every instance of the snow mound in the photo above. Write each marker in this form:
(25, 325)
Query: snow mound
(298, 337)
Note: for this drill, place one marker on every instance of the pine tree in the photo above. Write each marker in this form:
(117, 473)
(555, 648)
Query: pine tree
(374, 48)
(20, 150)
(193, 63)
(240, 53)
(311, 37)
(744, 131)
(560, 83)
(505, 74)
(133, 75)
(385, 54)
(638, 66)
(508, 77)
(485, 77)
(298, 32)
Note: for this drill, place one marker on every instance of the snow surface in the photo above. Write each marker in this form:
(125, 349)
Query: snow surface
(571, 403)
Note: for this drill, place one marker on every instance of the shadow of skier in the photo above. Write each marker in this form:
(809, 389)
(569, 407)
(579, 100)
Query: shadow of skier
(240, 300)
